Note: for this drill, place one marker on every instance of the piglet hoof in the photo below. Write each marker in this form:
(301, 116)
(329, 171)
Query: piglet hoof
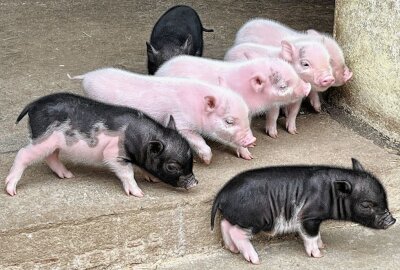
(316, 106)
(244, 153)
(206, 158)
(251, 257)
(11, 188)
(316, 253)
(291, 129)
(135, 191)
(272, 133)
(317, 109)
(65, 174)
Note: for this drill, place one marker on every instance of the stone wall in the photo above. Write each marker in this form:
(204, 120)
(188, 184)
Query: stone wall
(369, 32)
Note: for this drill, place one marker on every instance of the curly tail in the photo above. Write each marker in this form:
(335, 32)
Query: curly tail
(207, 30)
(24, 112)
(214, 211)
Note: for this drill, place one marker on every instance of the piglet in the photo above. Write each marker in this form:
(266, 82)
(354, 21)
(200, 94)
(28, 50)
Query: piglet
(270, 32)
(199, 109)
(298, 199)
(90, 132)
(264, 84)
(311, 62)
(178, 31)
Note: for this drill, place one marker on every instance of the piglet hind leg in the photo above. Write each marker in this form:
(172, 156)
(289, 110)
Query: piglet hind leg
(241, 239)
(226, 226)
(56, 166)
(26, 156)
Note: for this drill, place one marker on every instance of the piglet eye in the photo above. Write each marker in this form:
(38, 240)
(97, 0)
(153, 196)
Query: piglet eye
(173, 167)
(305, 64)
(366, 205)
(229, 121)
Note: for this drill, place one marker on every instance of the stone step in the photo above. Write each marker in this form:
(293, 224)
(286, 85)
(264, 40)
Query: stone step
(348, 247)
(88, 221)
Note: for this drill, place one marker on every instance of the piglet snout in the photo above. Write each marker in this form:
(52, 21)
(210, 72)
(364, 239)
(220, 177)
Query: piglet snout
(187, 181)
(386, 220)
(326, 81)
(249, 140)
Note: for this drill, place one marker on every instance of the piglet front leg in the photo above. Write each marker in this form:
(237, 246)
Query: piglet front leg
(315, 101)
(198, 144)
(271, 119)
(123, 170)
(292, 111)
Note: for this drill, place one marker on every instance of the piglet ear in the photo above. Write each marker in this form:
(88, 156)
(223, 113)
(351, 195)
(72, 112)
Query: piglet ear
(151, 49)
(343, 188)
(288, 51)
(171, 123)
(347, 74)
(258, 83)
(357, 165)
(155, 148)
(187, 46)
(210, 103)
(151, 52)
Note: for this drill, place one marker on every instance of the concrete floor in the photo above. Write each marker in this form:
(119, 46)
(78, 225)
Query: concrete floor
(88, 222)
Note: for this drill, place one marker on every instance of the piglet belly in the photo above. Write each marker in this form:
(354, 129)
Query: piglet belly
(91, 151)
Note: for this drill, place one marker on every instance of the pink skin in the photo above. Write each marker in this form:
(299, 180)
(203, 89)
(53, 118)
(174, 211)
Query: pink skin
(253, 30)
(277, 34)
(289, 53)
(237, 240)
(340, 71)
(199, 109)
(263, 83)
(105, 152)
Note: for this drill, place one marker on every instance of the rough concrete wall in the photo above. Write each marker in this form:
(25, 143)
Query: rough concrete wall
(369, 32)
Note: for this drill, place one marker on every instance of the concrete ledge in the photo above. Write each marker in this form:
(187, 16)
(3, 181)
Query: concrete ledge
(89, 222)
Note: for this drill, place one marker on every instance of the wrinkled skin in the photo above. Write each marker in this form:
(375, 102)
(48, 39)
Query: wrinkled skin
(90, 132)
(199, 109)
(281, 200)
